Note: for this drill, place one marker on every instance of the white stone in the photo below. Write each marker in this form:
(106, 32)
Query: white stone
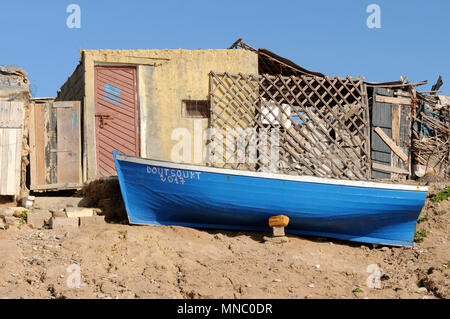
(278, 231)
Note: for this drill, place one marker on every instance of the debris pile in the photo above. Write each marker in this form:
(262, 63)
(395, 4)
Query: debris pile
(431, 136)
(105, 194)
(14, 84)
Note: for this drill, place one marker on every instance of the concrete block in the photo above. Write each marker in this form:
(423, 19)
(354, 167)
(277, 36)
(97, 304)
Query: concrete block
(92, 220)
(63, 222)
(276, 240)
(59, 213)
(28, 201)
(38, 218)
(10, 220)
(278, 231)
(6, 212)
(79, 212)
(56, 203)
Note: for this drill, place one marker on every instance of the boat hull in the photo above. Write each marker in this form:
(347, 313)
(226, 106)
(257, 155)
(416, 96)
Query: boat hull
(163, 193)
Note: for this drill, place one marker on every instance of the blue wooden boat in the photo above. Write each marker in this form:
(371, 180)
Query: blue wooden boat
(166, 193)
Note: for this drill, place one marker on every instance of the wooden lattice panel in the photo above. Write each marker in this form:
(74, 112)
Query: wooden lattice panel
(293, 125)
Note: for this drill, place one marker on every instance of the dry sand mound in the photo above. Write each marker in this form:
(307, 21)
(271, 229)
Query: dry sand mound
(124, 261)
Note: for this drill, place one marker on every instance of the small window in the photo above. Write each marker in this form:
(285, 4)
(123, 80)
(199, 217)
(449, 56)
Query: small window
(195, 108)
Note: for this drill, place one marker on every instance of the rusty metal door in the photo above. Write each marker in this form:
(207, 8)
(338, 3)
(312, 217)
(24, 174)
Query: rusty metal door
(116, 115)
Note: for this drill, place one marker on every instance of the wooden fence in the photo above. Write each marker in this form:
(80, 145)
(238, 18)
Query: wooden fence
(299, 125)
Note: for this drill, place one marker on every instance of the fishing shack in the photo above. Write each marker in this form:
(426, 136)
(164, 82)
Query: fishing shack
(133, 100)
(272, 115)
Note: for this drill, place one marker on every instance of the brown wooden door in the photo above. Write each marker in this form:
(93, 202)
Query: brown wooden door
(116, 115)
(55, 145)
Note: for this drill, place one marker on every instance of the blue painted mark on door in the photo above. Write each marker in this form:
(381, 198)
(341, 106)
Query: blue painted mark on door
(75, 118)
(112, 94)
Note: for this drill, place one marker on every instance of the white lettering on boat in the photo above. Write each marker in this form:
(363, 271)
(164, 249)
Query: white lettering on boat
(174, 176)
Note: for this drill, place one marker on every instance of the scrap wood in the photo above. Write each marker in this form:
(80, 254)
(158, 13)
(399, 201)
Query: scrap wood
(393, 100)
(392, 145)
(390, 169)
(436, 123)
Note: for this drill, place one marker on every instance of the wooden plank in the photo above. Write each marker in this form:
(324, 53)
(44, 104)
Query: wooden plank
(11, 134)
(393, 100)
(61, 186)
(63, 104)
(434, 92)
(394, 147)
(396, 124)
(32, 141)
(68, 142)
(405, 135)
(16, 152)
(395, 160)
(12, 151)
(4, 151)
(52, 156)
(40, 144)
(386, 168)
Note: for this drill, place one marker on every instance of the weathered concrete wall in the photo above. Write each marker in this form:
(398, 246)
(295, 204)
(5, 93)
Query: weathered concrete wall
(73, 88)
(14, 84)
(165, 78)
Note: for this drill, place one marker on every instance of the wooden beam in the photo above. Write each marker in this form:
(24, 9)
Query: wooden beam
(393, 100)
(396, 123)
(417, 84)
(430, 91)
(386, 168)
(394, 147)
(60, 186)
(401, 93)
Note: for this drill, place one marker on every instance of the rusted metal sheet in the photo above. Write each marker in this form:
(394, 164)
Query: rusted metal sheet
(55, 146)
(11, 134)
(116, 115)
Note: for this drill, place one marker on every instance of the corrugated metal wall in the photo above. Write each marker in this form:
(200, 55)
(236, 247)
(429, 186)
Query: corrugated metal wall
(116, 115)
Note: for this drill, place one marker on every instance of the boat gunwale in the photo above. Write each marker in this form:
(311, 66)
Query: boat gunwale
(282, 177)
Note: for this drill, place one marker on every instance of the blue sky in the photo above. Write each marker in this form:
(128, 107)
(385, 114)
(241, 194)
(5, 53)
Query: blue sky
(326, 36)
